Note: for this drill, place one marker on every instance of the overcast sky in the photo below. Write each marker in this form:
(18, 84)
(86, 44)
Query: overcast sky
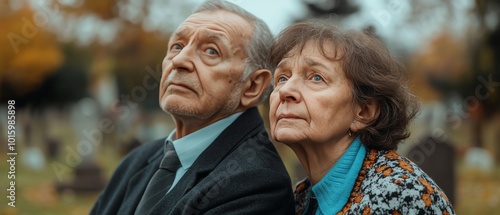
(387, 16)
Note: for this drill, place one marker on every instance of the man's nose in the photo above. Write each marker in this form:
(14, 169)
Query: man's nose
(184, 59)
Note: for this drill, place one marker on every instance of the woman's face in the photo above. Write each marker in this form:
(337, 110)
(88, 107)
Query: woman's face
(312, 99)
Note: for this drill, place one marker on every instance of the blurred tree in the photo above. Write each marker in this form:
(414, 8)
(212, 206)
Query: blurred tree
(138, 49)
(105, 10)
(329, 8)
(320, 8)
(140, 58)
(485, 67)
(133, 47)
(29, 54)
(437, 67)
(469, 66)
(478, 81)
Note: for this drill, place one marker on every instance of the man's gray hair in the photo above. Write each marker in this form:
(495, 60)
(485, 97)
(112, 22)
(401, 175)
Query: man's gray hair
(258, 48)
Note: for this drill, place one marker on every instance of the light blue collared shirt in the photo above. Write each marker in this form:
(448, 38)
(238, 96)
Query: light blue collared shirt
(190, 147)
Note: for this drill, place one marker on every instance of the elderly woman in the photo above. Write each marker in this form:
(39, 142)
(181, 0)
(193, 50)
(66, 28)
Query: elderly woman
(340, 103)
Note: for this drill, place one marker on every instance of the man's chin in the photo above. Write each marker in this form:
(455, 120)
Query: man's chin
(180, 112)
(177, 100)
(184, 110)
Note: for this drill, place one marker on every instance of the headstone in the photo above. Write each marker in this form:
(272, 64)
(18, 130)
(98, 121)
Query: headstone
(88, 178)
(437, 158)
(88, 175)
(52, 147)
(129, 145)
(479, 159)
(33, 158)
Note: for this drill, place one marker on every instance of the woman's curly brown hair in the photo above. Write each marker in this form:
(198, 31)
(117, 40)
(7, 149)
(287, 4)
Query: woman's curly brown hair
(375, 75)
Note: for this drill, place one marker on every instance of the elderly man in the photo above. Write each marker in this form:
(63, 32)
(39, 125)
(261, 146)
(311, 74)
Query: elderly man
(219, 159)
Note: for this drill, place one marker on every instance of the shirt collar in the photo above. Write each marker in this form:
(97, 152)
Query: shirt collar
(190, 147)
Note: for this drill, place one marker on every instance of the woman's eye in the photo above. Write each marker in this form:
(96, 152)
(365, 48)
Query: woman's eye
(317, 78)
(281, 79)
(211, 51)
(176, 47)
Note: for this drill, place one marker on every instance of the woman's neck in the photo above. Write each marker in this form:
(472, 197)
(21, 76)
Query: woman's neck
(318, 158)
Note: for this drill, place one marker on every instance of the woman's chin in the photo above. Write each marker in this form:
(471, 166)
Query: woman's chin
(287, 138)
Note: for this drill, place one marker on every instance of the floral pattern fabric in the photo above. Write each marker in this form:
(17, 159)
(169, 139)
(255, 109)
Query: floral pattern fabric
(387, 184)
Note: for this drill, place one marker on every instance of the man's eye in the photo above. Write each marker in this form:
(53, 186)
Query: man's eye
(317, 78)
(176, 47)
(211, 51)
(282, 79)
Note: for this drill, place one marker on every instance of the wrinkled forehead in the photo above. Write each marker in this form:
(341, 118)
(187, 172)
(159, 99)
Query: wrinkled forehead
(218, 24)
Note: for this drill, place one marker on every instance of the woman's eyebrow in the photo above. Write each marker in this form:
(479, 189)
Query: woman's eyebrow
(311, 62)
(283, 63)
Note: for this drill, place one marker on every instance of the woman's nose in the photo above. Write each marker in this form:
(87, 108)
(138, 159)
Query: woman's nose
(290, 91)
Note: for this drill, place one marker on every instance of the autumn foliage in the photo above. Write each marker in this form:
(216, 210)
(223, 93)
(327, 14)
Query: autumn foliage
(29, 53)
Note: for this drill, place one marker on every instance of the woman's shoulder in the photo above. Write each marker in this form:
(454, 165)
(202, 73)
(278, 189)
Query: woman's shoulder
(389, 166)
(390, 183)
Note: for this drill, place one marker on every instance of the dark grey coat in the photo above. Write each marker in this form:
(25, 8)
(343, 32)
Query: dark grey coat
(239, 173)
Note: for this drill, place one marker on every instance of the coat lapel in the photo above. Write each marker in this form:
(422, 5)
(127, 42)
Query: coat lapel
(227, 141)
(138, 182)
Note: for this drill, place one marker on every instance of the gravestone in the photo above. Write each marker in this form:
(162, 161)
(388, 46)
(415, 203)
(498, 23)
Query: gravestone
(88, 178)
(52, 147)
(437, 158)
(88, 175)
(477, 158)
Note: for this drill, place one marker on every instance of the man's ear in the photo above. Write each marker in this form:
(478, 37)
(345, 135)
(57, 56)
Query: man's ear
(255, 85)
(364, 115)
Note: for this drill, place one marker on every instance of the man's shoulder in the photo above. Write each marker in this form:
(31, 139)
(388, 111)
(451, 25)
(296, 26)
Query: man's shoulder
(251, 169)
(246, 143)
(253, 159)
(148, 147)
(144, 152)
(256, 152)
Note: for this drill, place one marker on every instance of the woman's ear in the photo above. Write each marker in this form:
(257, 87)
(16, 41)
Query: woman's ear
(364, 115)
(254, 87)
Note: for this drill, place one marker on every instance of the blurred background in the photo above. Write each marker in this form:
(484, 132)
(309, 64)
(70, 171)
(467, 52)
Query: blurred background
(85, 74)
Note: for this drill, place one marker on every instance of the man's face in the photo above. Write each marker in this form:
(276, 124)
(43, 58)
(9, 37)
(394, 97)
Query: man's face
(204, 65)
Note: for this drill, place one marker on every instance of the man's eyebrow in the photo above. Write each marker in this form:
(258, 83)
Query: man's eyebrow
(182, 32)
(208, 35)
(215, 37)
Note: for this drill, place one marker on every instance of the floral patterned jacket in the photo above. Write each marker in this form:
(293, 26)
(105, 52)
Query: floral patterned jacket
(386, 184)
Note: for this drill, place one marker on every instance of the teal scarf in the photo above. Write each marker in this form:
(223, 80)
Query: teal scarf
(334, 189)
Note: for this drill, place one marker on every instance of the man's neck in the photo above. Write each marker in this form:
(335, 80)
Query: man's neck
(186, 125)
